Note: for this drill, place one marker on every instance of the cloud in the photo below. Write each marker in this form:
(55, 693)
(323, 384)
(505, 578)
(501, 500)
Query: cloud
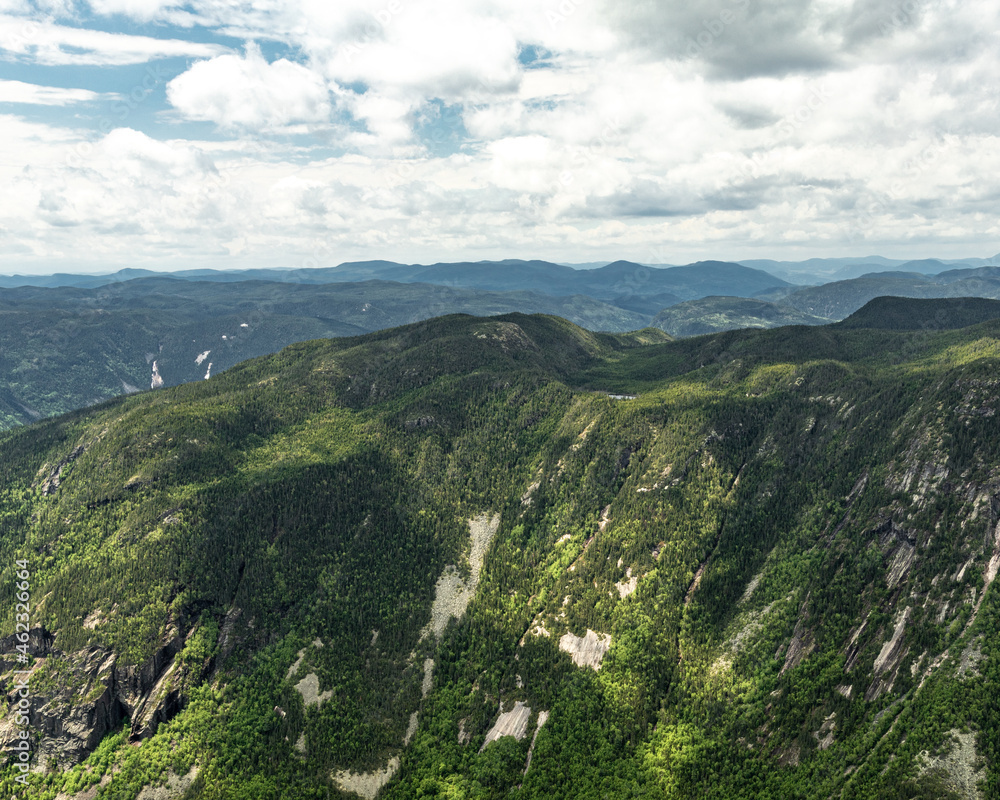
(50, 44)
(247, 92)
(143, 10)
(19, 92)
(736, 39)
(717, 126)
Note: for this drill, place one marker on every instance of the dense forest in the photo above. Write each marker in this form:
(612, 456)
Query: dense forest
(508, 557)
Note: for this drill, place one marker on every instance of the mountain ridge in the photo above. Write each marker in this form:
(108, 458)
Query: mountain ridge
(265, 554)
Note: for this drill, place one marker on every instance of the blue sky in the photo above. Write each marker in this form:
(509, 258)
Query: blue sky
(271, 133)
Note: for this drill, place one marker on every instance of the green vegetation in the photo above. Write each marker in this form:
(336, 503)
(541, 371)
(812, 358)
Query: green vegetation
(713, 314)
(907, 314)
(790, 537)
(65, 348)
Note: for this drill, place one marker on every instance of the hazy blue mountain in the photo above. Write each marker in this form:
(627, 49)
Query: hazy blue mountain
(618, 279)
(824, 270)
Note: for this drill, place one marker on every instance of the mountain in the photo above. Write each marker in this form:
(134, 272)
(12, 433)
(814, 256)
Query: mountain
(714, 314)
(621, 278)
(442, 560)
(688, 282)
(823, 270)
(63, 348)
(905, 314)
(839, 299)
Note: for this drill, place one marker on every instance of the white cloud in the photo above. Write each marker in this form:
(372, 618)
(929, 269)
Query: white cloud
(144, 10)
(50, 44)
(20, 92)
(792, 125)
(247, 92)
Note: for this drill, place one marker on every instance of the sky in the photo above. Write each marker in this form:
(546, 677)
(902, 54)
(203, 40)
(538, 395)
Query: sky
(299, 133)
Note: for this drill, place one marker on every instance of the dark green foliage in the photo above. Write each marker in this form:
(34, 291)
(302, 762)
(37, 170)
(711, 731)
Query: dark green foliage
(712, 314)
(754, 532)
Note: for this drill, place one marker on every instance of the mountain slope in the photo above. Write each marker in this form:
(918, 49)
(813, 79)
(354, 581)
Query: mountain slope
(69, 347)
(839, 299)
(904, 314)
(362, 562)
(714, 314)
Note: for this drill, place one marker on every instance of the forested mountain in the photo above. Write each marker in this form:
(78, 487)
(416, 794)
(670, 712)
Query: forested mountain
(907, 314)
(713, 314)
(80, 339)
(64, 348)
(619, 279)
(839, 299)
(454, 560)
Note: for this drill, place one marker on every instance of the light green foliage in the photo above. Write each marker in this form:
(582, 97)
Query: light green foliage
(765, 492)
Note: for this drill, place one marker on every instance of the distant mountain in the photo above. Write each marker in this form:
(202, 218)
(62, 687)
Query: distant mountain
(823, 270)
(714, 314)
(839, 299)
(701, 279)
(620, 279)
(940, 314)
(987, 274)
(67, 347)
(930, 266)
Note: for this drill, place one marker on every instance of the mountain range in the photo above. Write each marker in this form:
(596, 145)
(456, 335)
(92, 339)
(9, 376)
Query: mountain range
(82, 339)
(509, 557)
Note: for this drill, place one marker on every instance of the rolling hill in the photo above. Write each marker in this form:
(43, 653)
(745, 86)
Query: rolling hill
(714, 314)
(906, 314)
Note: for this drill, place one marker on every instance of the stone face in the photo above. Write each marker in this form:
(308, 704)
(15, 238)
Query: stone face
(587, 650)
(510, 723)
(453, 592)
(367, 784)
(96, 699)
(51, 483)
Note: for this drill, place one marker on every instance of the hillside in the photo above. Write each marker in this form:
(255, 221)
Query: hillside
(714, 314)
(64, 348)
(82, 339)
(440, 559)
(840, 299)
(905, 314)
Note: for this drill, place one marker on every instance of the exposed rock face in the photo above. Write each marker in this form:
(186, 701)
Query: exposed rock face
(308, 687)
(95, 699)
(367, 784)
(587, 650)
(961, 765)
(802, 643)
(51, 483)
(510, 723)
(889, 658)
(627, 586)
(453, 593)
